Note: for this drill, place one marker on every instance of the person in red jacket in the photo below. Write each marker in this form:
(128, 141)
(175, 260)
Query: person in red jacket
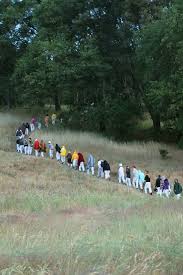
(81, 162)
(36, 147)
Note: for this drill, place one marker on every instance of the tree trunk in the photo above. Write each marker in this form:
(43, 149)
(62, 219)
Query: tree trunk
(57, 102)
(156, 122)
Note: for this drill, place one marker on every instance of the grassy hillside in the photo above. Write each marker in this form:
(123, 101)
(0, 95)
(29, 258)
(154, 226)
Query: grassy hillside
(57, 221)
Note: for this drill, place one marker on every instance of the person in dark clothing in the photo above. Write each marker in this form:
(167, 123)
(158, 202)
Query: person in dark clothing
(147, 186)
(177, 189)
(81, 162)
(27, 128)
(57, 149)
(69, 159)
(128, 176)
(106, 169)
(158, 186)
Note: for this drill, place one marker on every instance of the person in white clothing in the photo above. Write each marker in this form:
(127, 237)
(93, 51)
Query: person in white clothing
(135, 180)
(121, 174)
(25, 147)
(100, 169)
(51, 149)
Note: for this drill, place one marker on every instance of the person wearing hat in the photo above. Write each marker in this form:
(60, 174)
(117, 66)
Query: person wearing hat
(63, 154)
(177, 189)
(36, 147)
(51, 149)
(121, 174)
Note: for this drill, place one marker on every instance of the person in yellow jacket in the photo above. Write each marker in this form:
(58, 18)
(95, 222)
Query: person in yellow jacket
(75, 158)
(63, 154)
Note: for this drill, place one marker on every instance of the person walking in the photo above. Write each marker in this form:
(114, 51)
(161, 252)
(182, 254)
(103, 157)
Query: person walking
(33, 124)
(100, 169)
(21, 145)
(107, 170)
(177, 189)
(42, 148)
(135, 177)
(46, 121)
(147, 187)
(158, 186)
(63, 154)
(166, 188)
(27, 128)
(69, 159)
(91, 165)
(30, 145)
(58, 149)
(121, 174)
(128, 176)
(51, 149)
(75, 158)
(25, 147)
(36, 147)
(141, 180)
(81, 162)
(53, 118)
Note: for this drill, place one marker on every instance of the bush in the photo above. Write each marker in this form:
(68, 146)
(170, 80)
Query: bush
(164, 153)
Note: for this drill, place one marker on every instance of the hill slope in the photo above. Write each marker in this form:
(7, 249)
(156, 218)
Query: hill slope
(57, 221)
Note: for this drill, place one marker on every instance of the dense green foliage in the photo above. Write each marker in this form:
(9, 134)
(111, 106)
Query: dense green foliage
(109, 61)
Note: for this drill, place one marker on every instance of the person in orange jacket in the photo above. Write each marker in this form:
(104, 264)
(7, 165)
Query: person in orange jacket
(42, 148)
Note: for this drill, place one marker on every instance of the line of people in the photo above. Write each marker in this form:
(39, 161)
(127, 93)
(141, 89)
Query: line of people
(131, 177)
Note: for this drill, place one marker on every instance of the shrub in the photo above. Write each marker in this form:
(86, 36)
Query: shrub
(164, 153)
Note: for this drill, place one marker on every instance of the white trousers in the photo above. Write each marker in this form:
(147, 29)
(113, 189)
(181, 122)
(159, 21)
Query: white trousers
(147, 187)
(107, 174)
(100, 172)
(92, 169)
(26, 150)
(128, 182)
(37, 153)
(18, 148)
(51, 154)
(82, 167)
(121, 179)
(57, 156)
(135, 183)
(32, 127)
(75, 163)
(42, 154)
(63, 160)
(166, 193)
(29, 150)
(178, 196)
(21, 148)
(159, 191)
(140, 183)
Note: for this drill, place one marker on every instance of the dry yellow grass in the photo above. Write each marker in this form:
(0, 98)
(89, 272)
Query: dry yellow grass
(54, 220)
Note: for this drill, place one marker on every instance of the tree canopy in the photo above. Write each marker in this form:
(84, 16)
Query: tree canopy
(111, 61)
